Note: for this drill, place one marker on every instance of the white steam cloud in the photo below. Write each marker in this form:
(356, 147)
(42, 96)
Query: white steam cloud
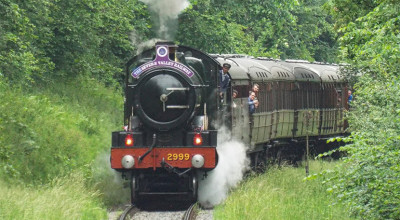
(109, 181)
(146, 45)
(166, 15)
(232, 165)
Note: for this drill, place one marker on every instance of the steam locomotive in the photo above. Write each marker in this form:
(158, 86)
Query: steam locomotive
(173, 110)
(171, 118)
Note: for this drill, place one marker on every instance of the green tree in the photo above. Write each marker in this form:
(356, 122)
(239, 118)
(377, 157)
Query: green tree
(92, 36)
(370, 39)
(281, 29)
(225, 37)
(43, 40)
(22, 60)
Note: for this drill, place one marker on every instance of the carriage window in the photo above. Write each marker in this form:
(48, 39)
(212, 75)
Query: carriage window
(243, 91)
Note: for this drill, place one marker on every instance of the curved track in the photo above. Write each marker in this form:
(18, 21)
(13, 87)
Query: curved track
(191, 212)
(128, 213)
(132, 212)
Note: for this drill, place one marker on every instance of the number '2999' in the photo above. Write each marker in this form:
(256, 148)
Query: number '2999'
(178, 157)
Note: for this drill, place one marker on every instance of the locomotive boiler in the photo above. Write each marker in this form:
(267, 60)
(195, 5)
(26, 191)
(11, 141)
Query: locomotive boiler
(170, 120)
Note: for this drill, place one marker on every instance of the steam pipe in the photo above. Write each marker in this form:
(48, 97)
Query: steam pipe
(149, 150)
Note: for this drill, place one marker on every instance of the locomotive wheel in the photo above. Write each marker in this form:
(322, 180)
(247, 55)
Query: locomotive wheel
(195, 187)
(134, 192)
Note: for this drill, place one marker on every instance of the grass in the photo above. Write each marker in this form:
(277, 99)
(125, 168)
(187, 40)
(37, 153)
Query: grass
(283, 193)
(51, 132)
(52, 144)
(64, 198)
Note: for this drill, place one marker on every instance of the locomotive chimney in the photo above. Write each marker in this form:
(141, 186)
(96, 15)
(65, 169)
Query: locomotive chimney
(172, 48)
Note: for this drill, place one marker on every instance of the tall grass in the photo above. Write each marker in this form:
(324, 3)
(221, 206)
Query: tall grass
(283, 193)
(64, 198)
(51, 132)
(47, 135)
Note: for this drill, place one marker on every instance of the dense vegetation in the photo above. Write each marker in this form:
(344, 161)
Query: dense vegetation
(61, 73)
(279, 29)
(370, 39)
(44, 39)
(53, 132)
(61, 64)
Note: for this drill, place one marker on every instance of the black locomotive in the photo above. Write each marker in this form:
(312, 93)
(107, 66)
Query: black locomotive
(173, 110)
(170, 117)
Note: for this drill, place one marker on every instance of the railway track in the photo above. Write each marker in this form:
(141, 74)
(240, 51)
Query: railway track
(129, 212)
(191, 212)
(132, 212)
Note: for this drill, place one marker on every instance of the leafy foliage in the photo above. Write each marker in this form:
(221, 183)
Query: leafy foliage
(368, 181)
(20, 60)
(229, 39)
(282, 29)
(46, 39)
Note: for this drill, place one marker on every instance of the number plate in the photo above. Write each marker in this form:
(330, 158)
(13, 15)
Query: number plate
(175, 157)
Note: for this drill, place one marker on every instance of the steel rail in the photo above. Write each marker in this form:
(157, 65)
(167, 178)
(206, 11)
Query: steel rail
(128, 212)
(191, 212)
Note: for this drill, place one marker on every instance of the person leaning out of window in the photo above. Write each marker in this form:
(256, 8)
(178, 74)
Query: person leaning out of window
(252, 102)
(234, 96)
(256, 89)
(224, 79)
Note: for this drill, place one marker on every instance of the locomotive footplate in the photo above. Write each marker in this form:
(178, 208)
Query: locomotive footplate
(177, 157)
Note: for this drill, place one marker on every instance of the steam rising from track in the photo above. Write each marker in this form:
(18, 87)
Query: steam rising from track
(232, 164)
(109, 181)
(166, 15)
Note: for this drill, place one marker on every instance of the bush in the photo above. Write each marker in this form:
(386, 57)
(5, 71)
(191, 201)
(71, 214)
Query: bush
(367, 181)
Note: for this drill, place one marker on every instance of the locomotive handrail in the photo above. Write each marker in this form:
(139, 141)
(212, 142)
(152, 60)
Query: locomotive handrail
(149, 150)
(194, 86)
(177, 89)
(200, 86)
(178, 106)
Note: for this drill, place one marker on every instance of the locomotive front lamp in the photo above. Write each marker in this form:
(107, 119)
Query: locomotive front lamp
(129, 140)
(128, 161)
(198, 161)
(197, 139)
